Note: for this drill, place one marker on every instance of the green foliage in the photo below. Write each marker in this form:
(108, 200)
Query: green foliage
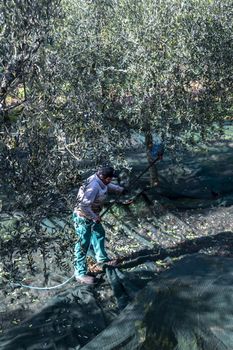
(26, 246)
(79, 78)
(32, 165)
(155, 67)
(109, 68)
(25, 28)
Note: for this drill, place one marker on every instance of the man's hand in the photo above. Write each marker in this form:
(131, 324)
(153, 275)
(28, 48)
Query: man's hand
(125, 191)
(97, 220)
(128, 202)
(160, 156)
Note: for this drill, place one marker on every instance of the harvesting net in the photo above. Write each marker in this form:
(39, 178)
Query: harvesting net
(140, 305)
(186, 307)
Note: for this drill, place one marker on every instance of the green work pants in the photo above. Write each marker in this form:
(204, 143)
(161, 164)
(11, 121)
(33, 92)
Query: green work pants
(89, 233)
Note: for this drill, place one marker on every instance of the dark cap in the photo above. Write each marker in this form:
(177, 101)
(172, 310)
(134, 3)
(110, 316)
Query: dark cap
(107, 171)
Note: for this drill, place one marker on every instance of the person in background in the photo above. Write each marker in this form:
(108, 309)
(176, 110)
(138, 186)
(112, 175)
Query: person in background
(87, 221)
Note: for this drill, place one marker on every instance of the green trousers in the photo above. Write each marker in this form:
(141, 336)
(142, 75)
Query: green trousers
(88, 233)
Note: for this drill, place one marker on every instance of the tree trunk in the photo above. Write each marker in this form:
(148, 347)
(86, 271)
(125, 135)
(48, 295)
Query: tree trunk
(154, 181)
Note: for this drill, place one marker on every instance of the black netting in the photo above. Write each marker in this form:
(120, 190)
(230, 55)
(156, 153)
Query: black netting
(186, 307)
(142, 305)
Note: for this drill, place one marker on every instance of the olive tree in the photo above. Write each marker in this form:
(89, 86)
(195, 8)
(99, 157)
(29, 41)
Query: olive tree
(154, 67)
(109, 69)
(25, 33)
(32, 166)
(179, 68)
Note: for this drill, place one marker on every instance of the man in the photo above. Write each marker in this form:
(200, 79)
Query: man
(87, 221)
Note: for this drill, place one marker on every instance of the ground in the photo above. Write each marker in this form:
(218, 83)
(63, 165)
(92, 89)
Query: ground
(125, 239)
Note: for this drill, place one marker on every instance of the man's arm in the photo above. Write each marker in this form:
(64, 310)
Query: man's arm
(115, 189)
